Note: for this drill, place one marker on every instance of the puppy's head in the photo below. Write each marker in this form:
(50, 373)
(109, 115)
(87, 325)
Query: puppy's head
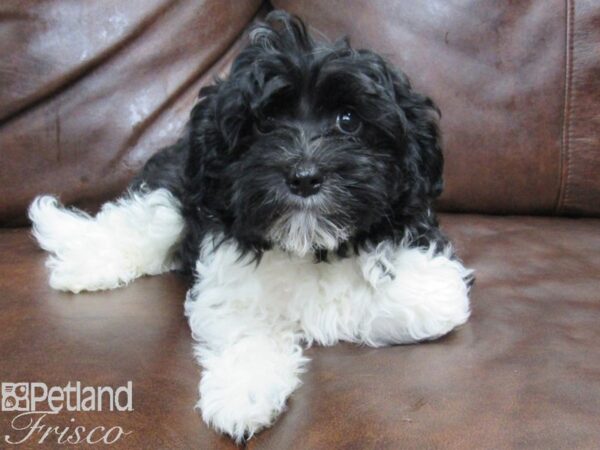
(309, 146)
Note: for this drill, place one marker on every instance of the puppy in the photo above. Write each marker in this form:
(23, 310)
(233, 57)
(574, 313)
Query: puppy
(300, 197)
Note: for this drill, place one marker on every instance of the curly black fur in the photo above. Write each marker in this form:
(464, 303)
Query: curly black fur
(278, 108)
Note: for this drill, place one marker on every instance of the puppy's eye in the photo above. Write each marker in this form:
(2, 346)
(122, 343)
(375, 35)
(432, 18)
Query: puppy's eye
(265, 126)
(348, 122)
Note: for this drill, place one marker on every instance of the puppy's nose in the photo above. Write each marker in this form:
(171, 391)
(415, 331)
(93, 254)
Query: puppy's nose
(305, 180)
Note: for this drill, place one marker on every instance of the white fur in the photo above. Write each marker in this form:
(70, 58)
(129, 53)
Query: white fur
(128, 238)
(244, 386)
(249, 318)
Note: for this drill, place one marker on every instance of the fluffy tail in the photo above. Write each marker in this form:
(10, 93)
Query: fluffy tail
(133, 236)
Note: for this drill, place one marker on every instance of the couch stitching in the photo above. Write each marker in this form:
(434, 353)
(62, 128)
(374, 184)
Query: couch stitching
(565, 157)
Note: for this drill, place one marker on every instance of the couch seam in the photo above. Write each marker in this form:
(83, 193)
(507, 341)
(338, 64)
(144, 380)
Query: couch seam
(565, 156)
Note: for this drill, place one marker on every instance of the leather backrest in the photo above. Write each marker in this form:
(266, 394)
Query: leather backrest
(89, 90)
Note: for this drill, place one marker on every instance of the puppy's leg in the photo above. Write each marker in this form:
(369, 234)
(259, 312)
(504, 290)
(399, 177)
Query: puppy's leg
(418, 294)
(245, 385)
(128, 238)
(251, 358)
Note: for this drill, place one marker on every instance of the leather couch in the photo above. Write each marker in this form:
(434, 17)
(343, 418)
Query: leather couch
(90, 89)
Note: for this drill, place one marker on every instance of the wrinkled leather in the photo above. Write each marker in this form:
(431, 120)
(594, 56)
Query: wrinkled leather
(522, 373)
(90, 90)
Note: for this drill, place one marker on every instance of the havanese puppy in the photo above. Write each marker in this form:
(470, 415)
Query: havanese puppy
(300, 197)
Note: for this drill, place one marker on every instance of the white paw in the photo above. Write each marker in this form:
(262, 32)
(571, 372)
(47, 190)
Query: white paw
(427, 298)
(128, 238)
(67, 235)
(245, 388)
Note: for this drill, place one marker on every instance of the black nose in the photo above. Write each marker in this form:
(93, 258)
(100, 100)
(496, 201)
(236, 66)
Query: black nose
(305, 180)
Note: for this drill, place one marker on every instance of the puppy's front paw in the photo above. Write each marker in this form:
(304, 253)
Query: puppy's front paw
(72, 238)
(131, 237)
(245, 388)
(239, 411)
(426, 299)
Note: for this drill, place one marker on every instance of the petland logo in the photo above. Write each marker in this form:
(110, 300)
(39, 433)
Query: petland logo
(36, 403)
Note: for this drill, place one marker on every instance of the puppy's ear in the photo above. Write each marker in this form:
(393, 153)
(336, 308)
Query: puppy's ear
(209, 137)
(422, 135)
(221, 114)
(414, 124)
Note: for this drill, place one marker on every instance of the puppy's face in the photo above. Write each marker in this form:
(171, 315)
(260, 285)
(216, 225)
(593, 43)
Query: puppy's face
(322, 144)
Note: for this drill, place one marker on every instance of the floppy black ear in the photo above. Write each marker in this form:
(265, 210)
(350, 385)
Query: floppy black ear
(206, 140)
(414, 124)
(421, 134)
(210, 136)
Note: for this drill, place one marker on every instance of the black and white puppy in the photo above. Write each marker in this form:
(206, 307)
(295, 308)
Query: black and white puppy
(300, 198)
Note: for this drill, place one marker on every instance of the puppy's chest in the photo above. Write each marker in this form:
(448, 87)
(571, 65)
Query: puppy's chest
(300, 281)
(286, 284)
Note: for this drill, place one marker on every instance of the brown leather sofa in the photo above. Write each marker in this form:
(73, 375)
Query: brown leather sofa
(90, 89)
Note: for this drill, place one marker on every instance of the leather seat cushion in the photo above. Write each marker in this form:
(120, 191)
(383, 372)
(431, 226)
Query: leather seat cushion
(522, 373)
